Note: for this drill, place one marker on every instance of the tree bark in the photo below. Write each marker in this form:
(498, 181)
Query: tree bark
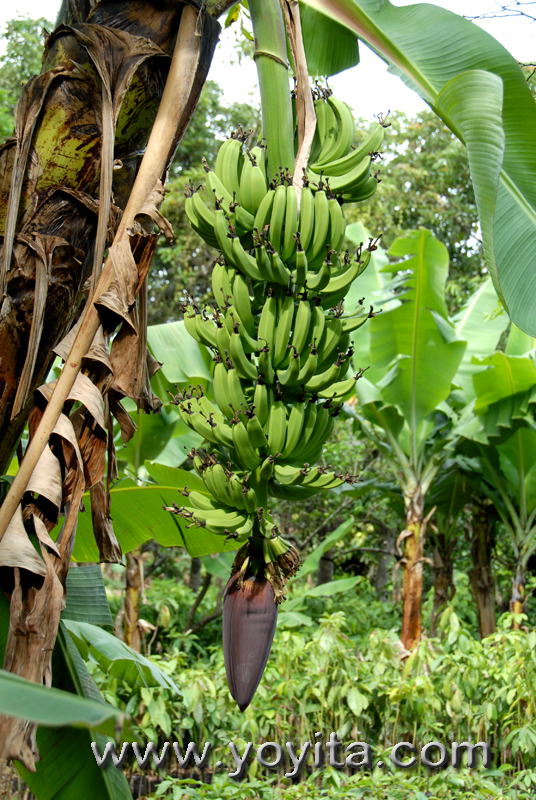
(413, 569)
(480, 575)
(443, 581)
(132, 600)
(195, 574)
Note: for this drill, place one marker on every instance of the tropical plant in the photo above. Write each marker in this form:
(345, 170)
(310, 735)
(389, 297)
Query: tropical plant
(413, 353)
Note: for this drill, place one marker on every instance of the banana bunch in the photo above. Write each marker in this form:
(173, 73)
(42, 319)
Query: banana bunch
(282, 351)
(333, 159)
(278, 332)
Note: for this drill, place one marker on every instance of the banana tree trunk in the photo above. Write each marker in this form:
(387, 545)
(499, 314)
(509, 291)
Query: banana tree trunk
(443, 580)
(133, 588)
(481, 575)
(413, 568)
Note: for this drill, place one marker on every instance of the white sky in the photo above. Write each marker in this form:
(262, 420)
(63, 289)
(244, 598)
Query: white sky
(379, 92)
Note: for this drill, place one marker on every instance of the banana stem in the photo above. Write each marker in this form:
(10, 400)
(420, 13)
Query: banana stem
(272, 69)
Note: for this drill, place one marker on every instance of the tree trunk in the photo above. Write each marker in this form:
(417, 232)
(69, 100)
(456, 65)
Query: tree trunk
(326, 568)
(195, 574)
(132, 600)
(413, 570)
(480, 575)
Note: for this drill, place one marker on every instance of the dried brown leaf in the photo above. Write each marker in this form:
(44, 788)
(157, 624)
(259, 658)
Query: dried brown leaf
(16, 550)
(109, 548)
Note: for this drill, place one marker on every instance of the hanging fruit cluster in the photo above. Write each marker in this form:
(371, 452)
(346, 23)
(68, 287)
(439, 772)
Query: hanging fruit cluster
(282, 349)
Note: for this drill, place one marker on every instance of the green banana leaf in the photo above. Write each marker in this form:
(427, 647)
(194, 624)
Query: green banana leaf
(481, 322)
(183, 359)
(504, 377)
(336, 50)
(67, 768)
(86, 596)
(475, 85)
(415, 341)
(115, 657)
(162, 437)
(54, 707)
(519, 343)
(517, 458)
(450, 492)
(138, 516)
(313, 559)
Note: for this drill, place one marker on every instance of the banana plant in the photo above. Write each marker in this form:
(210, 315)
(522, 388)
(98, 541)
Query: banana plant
(413, 355)
(499, 426)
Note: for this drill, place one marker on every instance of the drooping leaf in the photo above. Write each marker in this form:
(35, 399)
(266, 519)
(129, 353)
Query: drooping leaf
(428, 47)
(505, 376)
(115, 657)
(86, 596)
(53, 707)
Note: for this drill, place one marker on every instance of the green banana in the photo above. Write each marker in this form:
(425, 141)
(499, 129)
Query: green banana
(338, 389)
(245, 368)
(289, 376)
(299, 275)
(244, 262)
(348, 162)
(235, 390)
(317, 281)
(221, 228)
(247, 456)
(321, 227)
(227, 163)
(302, 323)
(221, 391)
(242, 303)
(337, 224)
(268, 322)
(277, 427)
(261, 401)
(255, 432)
(294, 427)
(264, 211)
(282, 333)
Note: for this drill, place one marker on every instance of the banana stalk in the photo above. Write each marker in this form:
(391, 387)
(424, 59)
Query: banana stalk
(272, 69)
